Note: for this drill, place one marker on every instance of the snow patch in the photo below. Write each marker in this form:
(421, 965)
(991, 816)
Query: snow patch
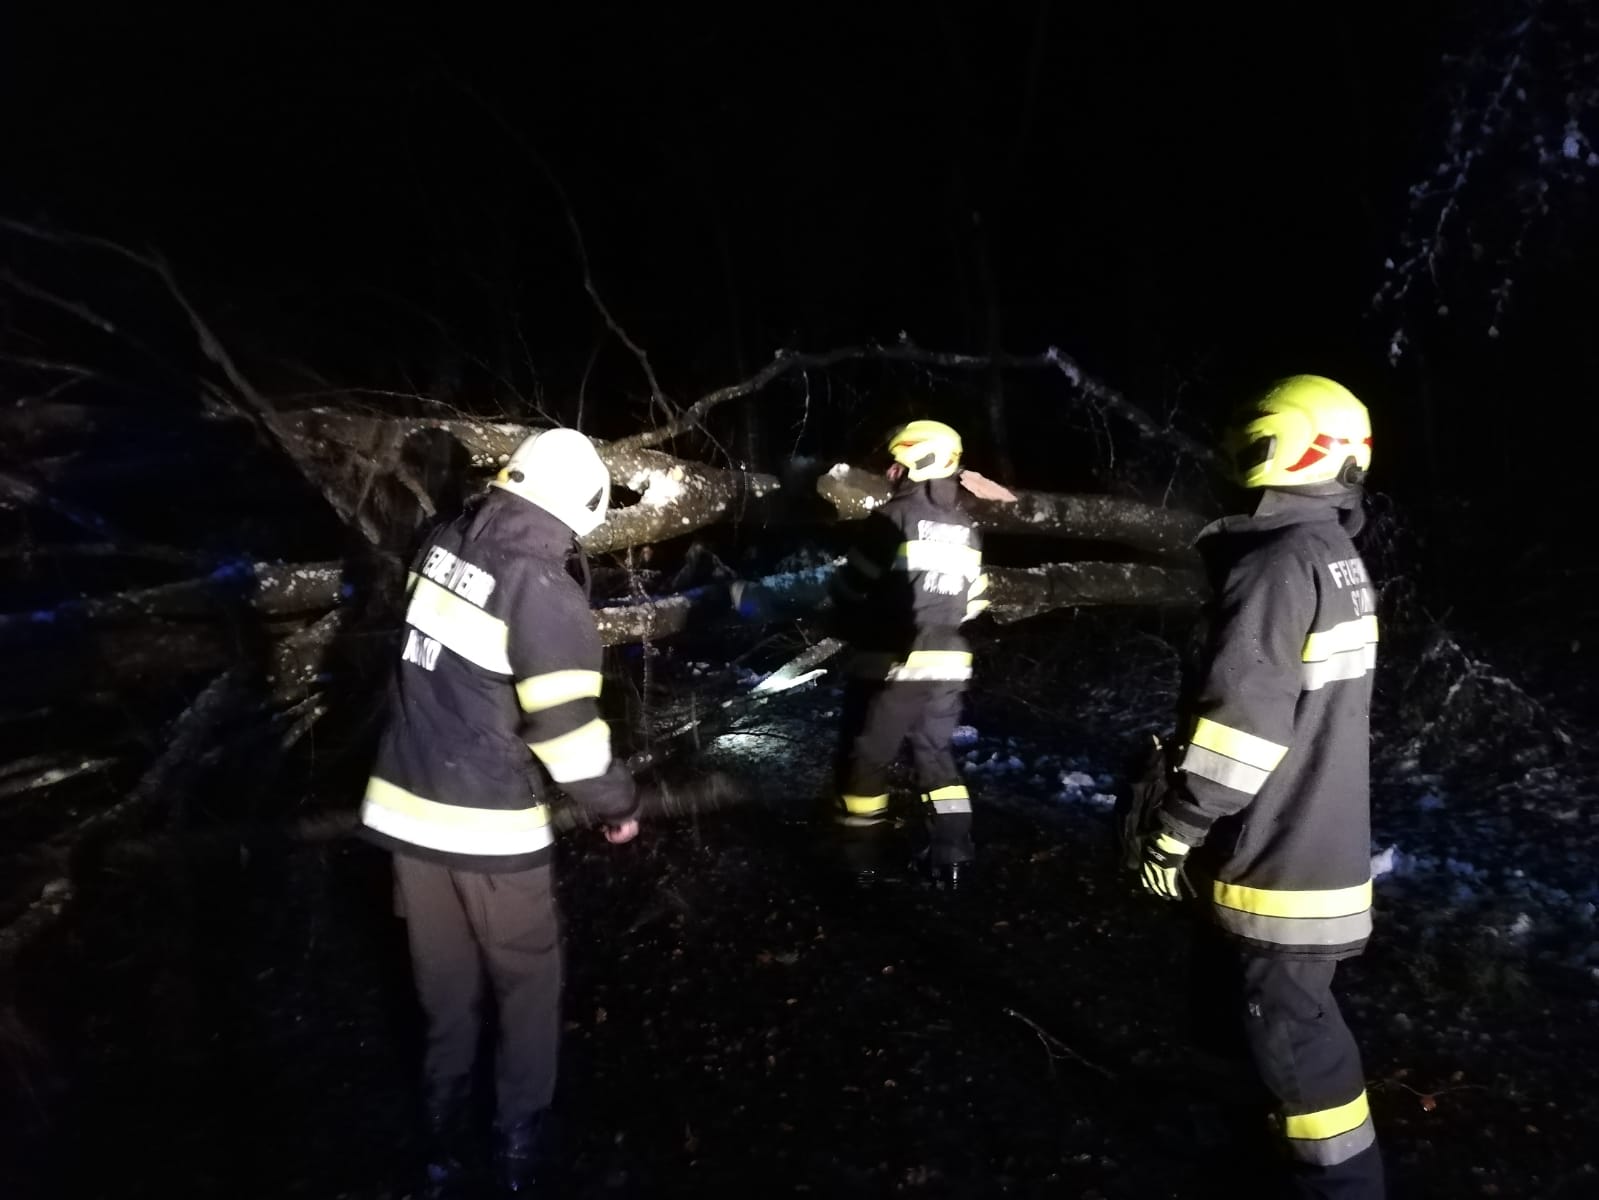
(1390, 860)
(657, 487)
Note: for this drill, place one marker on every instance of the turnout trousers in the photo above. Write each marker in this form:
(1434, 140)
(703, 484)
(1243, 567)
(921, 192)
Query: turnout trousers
(887, 714)
(474, 934)
(1281, 1013)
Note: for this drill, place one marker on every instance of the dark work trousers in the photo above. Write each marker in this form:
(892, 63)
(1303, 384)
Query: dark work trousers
(467, 928)
(926, 712)
(1280, 1013)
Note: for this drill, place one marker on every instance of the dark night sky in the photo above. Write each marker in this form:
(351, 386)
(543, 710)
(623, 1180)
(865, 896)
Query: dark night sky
(1201, 196)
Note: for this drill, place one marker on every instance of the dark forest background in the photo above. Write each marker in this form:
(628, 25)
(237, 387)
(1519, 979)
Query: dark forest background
(1190, 202)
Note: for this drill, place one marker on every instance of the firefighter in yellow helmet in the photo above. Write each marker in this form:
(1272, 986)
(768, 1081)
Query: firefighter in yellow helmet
(1267, 819)
(913, 578)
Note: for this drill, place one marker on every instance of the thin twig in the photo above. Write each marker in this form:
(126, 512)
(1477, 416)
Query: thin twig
(1057, 1049)
(578, 242)
(246, 399)
(1053, 358)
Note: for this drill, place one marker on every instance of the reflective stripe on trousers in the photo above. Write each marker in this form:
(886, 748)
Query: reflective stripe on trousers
(1308, 1061)
(1330, 1136)
(949, 800)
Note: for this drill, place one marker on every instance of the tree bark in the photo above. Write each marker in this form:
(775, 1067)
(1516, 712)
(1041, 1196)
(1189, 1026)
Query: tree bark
(1020, 592)
(856, 493)
(680, 497)
(677, 496)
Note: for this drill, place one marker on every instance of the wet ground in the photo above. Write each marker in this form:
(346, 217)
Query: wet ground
(742, 1017)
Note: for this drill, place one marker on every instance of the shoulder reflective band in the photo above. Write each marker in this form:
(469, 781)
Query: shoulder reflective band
(1345, 651)
(933, 665)
(410, 581)
(455, 828)
(585, 753)
(1282, 917)
(460, 626)
(1231, 757)
(865, 806)
(949, 558)
(1332, 1135)
(952, 799)
(555, 688)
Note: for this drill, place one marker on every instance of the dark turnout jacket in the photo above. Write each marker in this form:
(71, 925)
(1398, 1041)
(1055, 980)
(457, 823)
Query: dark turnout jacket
(499, 675)
(1275, 770)
(914, 575)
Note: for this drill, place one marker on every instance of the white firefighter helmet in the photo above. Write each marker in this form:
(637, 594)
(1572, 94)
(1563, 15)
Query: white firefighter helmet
(560, 471)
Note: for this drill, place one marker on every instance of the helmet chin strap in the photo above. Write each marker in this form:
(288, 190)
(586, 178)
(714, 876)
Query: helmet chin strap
(1349, 479)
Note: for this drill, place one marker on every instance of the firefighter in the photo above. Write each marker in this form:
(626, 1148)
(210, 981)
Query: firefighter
(1268, 816)
(496, 689)
(912, 579)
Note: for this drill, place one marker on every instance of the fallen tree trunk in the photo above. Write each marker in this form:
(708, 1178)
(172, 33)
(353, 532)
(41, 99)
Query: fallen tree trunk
(1016, 593)
(676, 496)
(156, 636)
(856, 494)
(185, 740)
(159, 634)
(679, 496)
(193, 746)
(262, 588)
(45, 771)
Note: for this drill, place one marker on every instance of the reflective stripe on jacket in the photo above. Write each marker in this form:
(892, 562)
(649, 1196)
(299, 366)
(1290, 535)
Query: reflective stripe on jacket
(913, 576)
(1275, 771)
(499, 675)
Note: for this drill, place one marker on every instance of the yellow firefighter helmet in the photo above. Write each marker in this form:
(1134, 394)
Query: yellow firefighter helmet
(926, 449)
(1306, 429)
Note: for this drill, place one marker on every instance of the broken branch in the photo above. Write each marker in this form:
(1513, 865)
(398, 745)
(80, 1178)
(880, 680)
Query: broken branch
(1051, 359)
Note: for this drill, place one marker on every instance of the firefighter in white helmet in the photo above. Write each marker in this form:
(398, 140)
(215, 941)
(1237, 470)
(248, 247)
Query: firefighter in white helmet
(493, 703)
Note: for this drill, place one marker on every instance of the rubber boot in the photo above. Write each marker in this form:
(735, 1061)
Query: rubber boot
(948, 860)
(865, 848)
(948, 877)
(446, 1174)
(518, 1155)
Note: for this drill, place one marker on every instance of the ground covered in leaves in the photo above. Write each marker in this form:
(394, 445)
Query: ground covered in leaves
(741, 1016)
